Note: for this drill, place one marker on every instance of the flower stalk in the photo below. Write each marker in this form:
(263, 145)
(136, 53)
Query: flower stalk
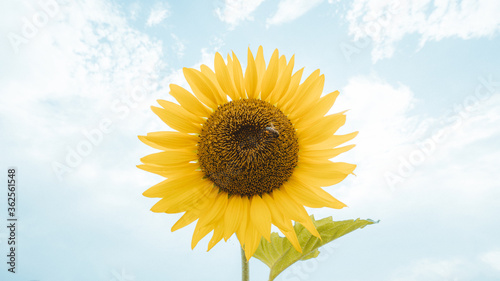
(245, 275)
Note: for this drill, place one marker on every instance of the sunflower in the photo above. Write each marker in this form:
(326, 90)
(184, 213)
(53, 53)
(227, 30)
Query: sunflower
(248, 151)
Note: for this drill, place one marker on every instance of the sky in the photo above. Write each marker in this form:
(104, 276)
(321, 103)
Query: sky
(421, 80)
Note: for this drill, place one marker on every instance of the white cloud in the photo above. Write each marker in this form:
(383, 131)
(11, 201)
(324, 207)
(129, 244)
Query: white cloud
(380, 139)
(394, 141)
(433, 270)
(492, 259)
(289, 10)
(454, 189)
(66, 77)
(236, 11)
(85, 66)
(134, 9)
(387, 22)
(178, 47)
(63, 80)
(450, 268)
(159, 12)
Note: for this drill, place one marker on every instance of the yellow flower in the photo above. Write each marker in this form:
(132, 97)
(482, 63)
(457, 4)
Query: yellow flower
(249, 150)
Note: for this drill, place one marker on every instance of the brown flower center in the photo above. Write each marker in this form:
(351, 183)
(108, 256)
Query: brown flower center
(248, 147)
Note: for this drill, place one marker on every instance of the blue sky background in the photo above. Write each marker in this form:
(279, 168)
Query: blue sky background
(421, 80)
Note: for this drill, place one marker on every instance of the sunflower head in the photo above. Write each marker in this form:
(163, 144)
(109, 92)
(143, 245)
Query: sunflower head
(248, 147)
(247, 150)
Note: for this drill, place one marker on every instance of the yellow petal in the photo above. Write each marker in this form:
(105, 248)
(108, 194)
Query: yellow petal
(189, 217)
(332, 141)
(231, 72)
(261, 217)
(260, 65)
(295, 100)
(176, 121)
(252, 239)
(217, 236)
(178, 199)
(171, 140)
(173, 171)
(325, 180)
(283, 82)
(223, 77)
(201, 89)
(203, 229)
(149, 167)
(170, 157)
(323, 174)
(244, 220)
(276, 216)
(191, 181)
(292, 237)
(185, 220)
(179, 110)
(216, 210)
(239, 82)
(220, 95)
(251, 77)
(320, 156)
(310, 96)
(180, 202)
(200, 231)
(150, 143)
(286, 100)
(188, 101)
(310, 196)
(283, 224)
(294, 210)
(321, 130)
(270, 76)
(260, 62)
(342, 167)
(282, 65)
(320, 109)
(232, 216)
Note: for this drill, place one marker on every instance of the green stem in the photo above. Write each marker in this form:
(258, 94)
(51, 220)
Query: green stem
(245, 274)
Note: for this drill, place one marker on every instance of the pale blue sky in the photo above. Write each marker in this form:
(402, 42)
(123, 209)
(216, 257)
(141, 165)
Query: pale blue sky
(421, 80)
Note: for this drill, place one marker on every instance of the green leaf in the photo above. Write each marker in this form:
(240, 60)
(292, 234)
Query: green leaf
(279, 254)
